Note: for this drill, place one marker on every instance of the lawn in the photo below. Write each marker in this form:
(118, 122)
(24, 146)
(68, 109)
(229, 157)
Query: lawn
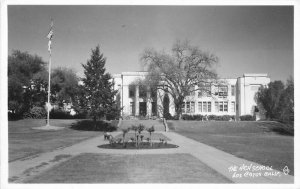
(157, 168)
(24, 141)
(255, 141)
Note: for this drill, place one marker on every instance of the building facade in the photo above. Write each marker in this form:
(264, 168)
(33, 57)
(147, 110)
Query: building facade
(234, 97)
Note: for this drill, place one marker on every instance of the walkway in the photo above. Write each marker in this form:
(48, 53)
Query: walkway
(220, 161)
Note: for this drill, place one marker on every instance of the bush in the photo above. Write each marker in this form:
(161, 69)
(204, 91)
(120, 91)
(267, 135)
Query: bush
(200, 117)
(168, 116)
(36, 113)
(14, 116)
(89, 125)
(247, 118)
(60, 114)
(192, 117)
(221, 118)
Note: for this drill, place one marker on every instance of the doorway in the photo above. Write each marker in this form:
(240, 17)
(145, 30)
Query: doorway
(143, 108)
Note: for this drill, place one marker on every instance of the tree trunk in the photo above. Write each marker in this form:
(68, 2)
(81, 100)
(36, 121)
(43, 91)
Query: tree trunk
(150, 140)
(136, 144)
(123, 140)
(178, 109)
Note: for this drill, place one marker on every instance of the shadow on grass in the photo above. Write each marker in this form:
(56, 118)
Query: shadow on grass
(89, 125)
(143, 145)
(284, 130)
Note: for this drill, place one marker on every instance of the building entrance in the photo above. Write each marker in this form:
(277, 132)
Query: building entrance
(143, 108)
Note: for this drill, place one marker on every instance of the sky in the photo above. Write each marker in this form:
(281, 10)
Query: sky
(246, 39)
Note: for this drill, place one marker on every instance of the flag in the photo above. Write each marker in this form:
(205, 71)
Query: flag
(50, 36)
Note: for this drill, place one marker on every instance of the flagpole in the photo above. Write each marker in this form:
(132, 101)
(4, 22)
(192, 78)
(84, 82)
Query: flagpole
(49, 36)
(49, 83)
(48, 106)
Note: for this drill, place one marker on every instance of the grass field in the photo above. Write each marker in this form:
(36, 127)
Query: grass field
(158, 168)
(255, 141)
(24, 141)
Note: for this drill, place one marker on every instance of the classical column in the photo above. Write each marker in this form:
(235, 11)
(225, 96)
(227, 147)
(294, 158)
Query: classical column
(149, 104)
(137, 100)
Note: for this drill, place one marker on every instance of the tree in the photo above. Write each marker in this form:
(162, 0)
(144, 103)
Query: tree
(98, 88)
(179, 72)
(64, 85)
(286, 102)
(24, 81)
(269, 97)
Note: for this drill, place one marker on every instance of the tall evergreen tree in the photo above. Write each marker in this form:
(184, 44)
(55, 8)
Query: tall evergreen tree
(98, 87)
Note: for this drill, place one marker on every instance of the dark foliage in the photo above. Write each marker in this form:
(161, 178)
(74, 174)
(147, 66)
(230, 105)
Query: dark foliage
(14, 116)
(247, 118)
(168, 116)
(36, 113)
(200, 117)
(25, 82)
(284, 130)
(97, 96)
(143, 145)
(89, 125)
(60, 114)
(277, 100)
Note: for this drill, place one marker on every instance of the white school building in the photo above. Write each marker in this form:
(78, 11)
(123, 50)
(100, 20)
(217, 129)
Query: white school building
(236, 97)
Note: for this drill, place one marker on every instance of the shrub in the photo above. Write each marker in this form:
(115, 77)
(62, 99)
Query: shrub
(89, 125)
(200, 117)
(36, 113)
(192, 117)
(60, 114)
(221, 118)
(168, 116)
(247, 118)
(14, 116)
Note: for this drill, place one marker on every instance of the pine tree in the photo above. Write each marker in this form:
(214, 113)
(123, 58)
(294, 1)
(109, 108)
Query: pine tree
(98, 86)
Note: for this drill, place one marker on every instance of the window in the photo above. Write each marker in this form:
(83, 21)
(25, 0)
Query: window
(131, 91)
(221, 106)
(204, 106)
(142, 91)
(222, 91)
(199, 106)
(209, 106)
(232, 90)
(192, 107)
(188, 110)
(183, 108)
(225, 106)
(232, 107)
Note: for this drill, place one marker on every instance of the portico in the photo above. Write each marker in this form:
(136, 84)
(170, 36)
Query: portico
(136, 99)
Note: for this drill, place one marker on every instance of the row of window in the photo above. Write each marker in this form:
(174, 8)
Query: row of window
(204, 91)
(222, 91)
(205, 106)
